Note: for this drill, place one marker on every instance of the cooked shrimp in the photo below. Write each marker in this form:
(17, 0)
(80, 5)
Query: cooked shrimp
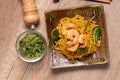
(72, 38)
(73, 48)
(71, 43)
(82, 41)
(72, 34)
(68, 26)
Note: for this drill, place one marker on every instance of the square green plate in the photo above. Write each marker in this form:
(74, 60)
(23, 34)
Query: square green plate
(58, 60)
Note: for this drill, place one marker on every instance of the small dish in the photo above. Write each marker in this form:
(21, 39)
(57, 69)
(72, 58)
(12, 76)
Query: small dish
(58, 60)
(22, 54)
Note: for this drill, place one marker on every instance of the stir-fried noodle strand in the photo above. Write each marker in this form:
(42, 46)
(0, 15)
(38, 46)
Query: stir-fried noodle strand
(81, 29)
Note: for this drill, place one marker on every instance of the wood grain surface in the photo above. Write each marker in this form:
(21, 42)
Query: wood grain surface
(12, 25)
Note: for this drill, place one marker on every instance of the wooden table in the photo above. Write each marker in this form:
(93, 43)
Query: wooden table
(11, 25)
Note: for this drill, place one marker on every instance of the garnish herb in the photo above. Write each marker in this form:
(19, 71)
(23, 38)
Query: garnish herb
(82, 50)
(55, 36)
(96, 34)
(31, 46)
(89, 21)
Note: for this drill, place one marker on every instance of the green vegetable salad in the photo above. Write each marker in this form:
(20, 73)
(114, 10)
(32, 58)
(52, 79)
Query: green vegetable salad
(32, 45)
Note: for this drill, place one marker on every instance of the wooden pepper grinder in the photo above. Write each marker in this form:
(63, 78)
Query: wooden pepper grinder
(31, 16)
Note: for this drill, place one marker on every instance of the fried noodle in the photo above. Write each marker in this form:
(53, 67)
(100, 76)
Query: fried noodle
(80, 22)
